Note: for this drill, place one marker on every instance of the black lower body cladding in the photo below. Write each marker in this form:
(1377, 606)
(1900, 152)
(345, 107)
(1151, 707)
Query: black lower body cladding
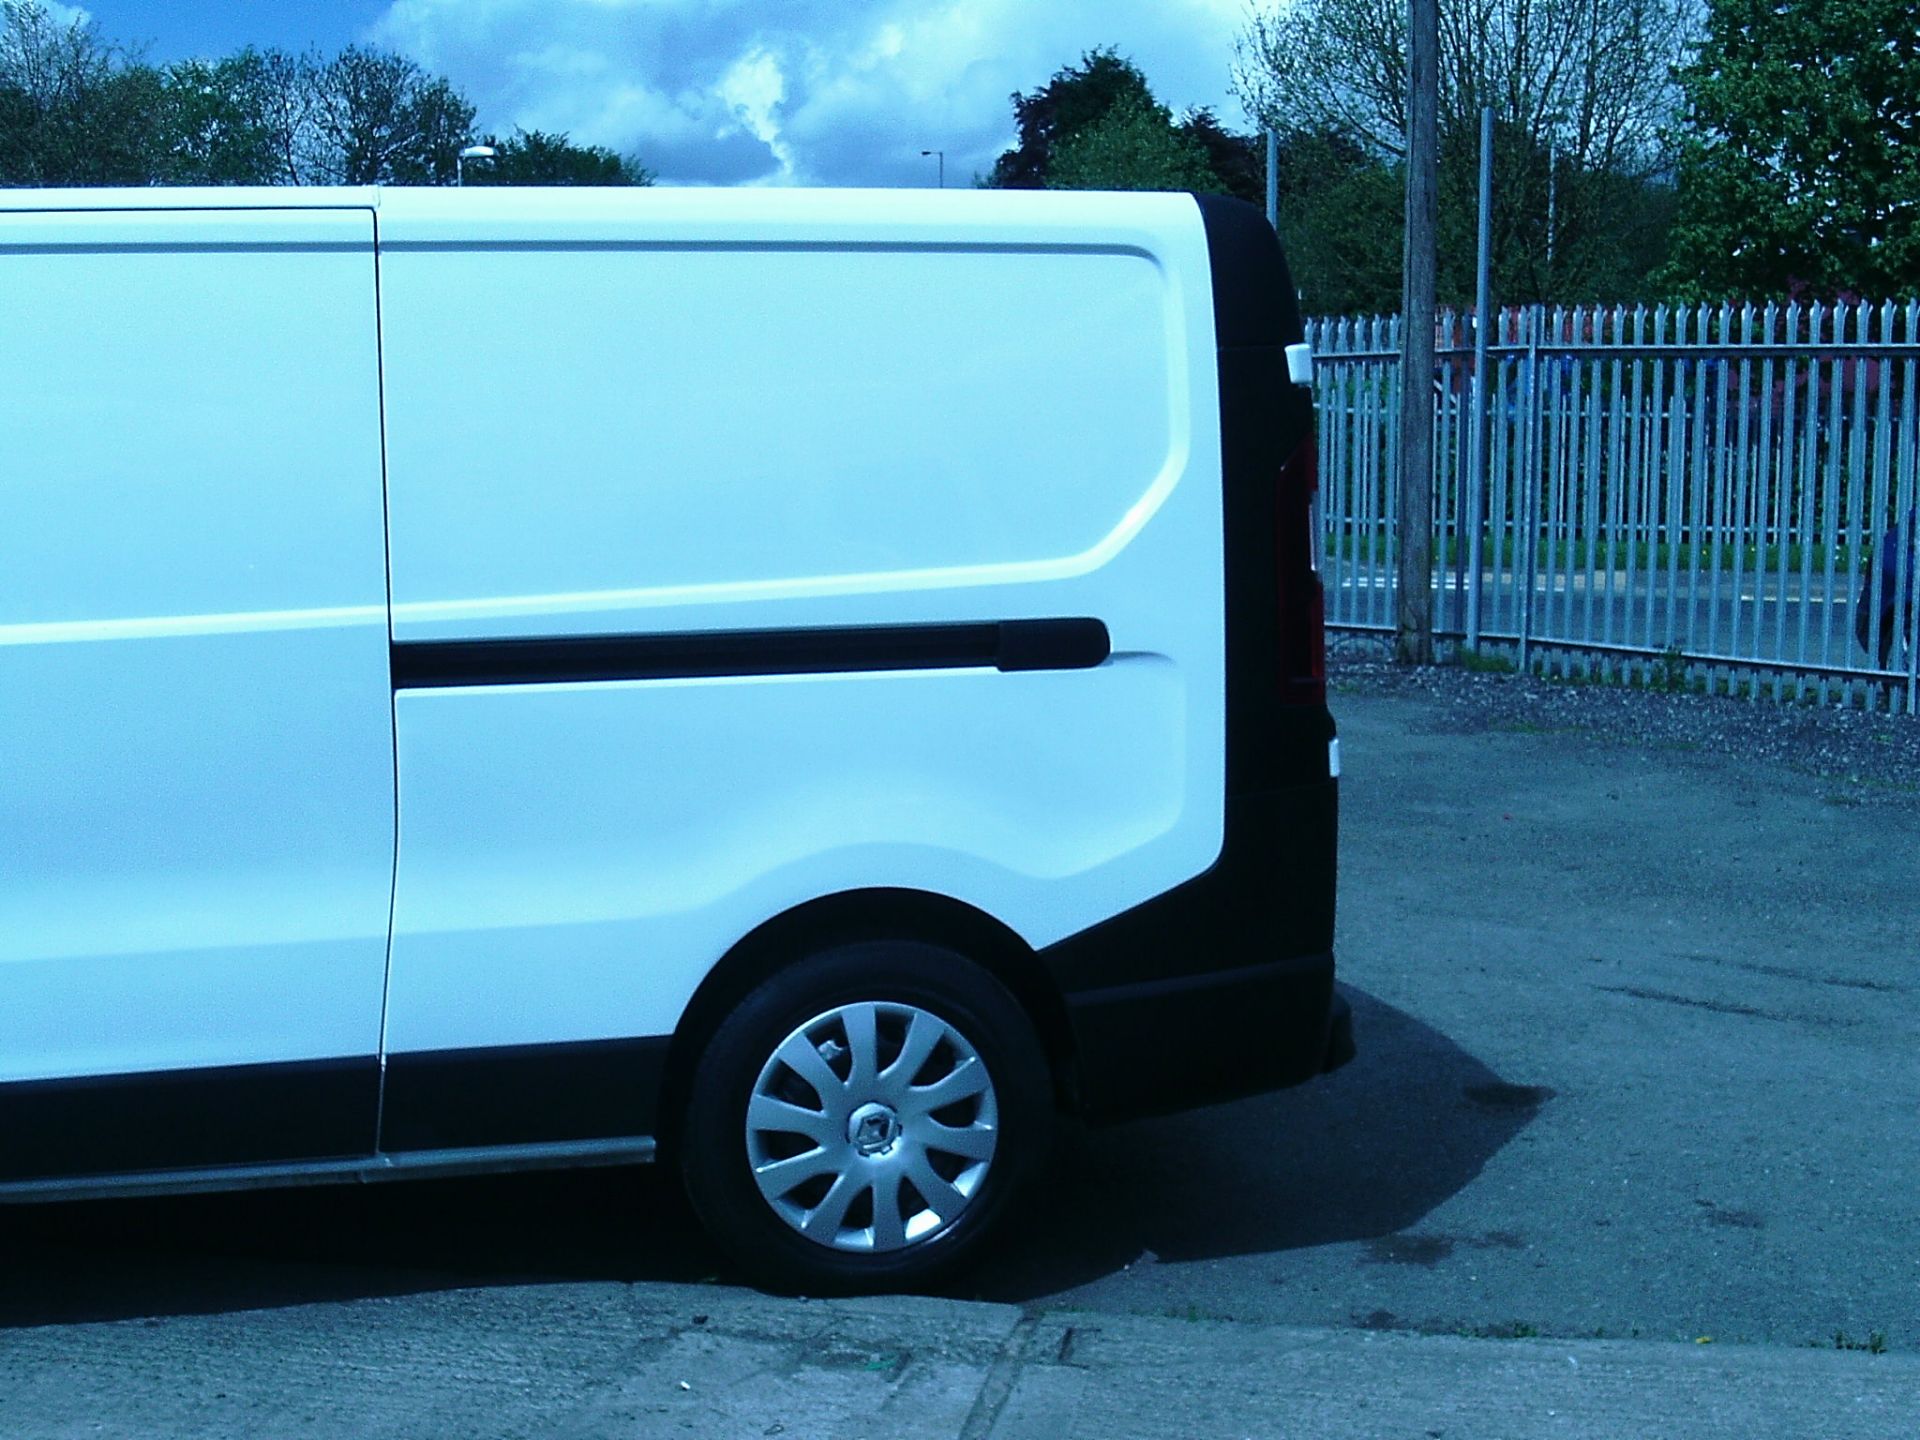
(1198, 1039)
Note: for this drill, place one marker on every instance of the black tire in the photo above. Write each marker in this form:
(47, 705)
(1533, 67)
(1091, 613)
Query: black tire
(887, 982)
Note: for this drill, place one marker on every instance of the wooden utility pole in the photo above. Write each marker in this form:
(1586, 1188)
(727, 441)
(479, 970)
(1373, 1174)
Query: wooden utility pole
(1413, 612)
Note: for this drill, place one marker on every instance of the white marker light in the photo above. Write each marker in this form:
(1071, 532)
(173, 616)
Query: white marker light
(1300, 363)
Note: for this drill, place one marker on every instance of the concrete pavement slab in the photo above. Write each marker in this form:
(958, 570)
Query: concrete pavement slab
(581, 1362)
(1131, 1375)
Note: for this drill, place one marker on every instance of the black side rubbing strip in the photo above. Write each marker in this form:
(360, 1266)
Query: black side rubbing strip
(523, 1094)
(188, 1119)
(1009, 645)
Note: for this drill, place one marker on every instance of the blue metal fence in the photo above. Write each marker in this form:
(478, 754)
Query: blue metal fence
(1717, 498)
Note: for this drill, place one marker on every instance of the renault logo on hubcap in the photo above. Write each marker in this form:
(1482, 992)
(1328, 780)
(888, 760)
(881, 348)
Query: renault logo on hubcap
(872, 1129)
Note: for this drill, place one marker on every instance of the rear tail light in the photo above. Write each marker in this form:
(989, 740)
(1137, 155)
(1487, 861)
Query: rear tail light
(1302, 603)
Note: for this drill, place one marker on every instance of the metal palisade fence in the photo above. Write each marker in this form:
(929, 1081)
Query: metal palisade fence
(1708, 498)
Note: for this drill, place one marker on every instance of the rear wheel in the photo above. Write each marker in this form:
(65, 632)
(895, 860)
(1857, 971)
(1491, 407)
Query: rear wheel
(863, 1119)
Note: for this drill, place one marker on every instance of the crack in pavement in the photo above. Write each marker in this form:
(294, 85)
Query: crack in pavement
(1719, 1007)
(997, 1386)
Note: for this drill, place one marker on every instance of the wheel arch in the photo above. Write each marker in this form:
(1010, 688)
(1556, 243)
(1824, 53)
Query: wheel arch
(860, 915)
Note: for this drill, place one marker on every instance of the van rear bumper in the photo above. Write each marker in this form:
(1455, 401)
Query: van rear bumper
(1176, 1044)
(1223, 986)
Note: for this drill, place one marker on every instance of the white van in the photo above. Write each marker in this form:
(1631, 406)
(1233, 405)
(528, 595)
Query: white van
(804, 683)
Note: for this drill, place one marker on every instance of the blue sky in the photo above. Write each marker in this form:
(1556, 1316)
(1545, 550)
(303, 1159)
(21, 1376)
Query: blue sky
(177, 29)
(845, 92)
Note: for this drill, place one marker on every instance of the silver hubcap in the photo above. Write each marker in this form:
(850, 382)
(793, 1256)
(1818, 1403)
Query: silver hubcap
(872, 1126)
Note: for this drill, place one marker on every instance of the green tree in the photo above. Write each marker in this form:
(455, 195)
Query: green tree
(1342, 214)
(1800, 166)
(284, 97)
(379, 118)
(538, 157)
(1238, 162)
(363, 117)
(74, 110)
(1581, 92)
(1076, 97)
(1132, 146)
(77, 110)
(217, 123)
(1097, 126)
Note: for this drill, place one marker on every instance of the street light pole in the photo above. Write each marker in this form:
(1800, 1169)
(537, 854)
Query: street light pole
(1553, 175)
(943, 164)
(1484, 331)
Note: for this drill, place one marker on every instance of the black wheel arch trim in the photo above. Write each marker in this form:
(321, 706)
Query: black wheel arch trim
(856, 916)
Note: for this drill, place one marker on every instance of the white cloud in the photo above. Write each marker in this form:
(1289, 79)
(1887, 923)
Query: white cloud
(755, 88)
(799, 91)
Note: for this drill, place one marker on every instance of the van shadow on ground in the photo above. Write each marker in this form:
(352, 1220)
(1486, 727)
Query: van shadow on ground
(1361, 1154)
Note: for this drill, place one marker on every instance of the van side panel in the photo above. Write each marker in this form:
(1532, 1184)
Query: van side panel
(646, 827)
(645, 425)
(748, 422)
(195, 717)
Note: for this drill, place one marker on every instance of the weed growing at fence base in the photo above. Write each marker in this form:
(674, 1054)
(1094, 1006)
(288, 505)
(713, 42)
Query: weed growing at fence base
(1874, 1344)
(1485, 662)
(1672, 674)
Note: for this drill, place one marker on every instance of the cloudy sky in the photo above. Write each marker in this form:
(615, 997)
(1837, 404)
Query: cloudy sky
(806, 92)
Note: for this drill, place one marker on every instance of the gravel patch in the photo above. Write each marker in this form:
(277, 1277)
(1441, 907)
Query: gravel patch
(1860, 758)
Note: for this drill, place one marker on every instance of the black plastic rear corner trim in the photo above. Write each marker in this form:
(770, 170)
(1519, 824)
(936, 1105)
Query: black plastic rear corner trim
(1254, 302)
(1264, 419)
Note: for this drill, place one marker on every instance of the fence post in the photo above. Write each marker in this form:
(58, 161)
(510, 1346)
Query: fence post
(1910, 463)
(1530, 470)
(1477, 442)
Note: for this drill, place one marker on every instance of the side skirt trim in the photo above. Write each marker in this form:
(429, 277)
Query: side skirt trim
(406, 1165)
(508, 1096)
(266, 1115)
(309, 1120)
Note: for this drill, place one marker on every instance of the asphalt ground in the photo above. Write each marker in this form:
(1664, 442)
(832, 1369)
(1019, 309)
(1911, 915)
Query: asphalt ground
(1634, 980)
(1636, 1011)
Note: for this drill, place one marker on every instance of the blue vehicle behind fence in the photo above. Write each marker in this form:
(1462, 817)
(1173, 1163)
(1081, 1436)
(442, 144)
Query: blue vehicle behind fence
(1885, 610)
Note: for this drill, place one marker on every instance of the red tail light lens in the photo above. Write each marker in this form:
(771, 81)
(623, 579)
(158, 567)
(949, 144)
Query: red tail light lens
(1302, 603)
